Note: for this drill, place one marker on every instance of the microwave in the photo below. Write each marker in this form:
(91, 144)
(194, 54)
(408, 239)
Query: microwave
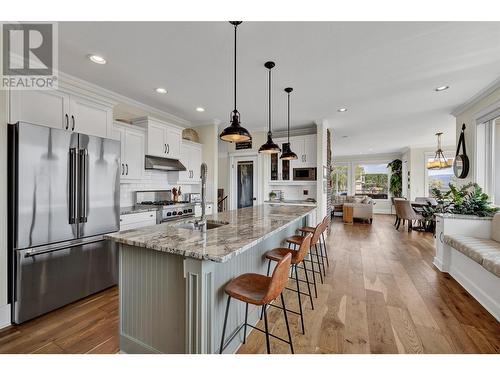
(304, 174)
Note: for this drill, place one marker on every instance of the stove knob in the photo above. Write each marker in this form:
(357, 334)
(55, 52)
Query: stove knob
(179, 213)
(185, 211)
(190, 210)
(169, 213)
(174, 213)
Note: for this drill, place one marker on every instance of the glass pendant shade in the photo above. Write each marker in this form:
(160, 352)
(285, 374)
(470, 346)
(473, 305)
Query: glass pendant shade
(235, 132)
(269, 147)
(439, 161)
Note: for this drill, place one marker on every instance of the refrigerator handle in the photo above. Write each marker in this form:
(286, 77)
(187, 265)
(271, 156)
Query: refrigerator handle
(72, 186)
(84, 173)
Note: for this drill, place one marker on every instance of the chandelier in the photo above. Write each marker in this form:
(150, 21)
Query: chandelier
(439, 161)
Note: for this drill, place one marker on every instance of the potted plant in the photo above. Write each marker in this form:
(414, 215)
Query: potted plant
(466, 200)
(396, 182)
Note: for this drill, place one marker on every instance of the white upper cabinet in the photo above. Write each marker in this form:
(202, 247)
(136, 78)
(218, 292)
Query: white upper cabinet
(310, 151)
(132, 151)
(163, 139)
(305, 147)
(63, 110)
(89, 116)
(191, 159)
(42, 107)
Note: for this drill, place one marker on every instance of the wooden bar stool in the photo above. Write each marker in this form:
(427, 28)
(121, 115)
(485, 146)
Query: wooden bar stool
(298, 256)
(259, 290)
(297, 240)
(322, 243)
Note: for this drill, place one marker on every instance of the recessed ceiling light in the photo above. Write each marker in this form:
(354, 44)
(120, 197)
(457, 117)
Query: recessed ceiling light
(161, 90)
(200, 109)
(97, 59)
(342, 110)
(441, 88)
(345, 136)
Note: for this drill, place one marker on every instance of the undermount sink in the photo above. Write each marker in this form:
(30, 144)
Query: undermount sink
(193, 225)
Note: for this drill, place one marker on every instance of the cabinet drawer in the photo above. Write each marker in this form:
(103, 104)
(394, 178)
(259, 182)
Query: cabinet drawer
(138, 217)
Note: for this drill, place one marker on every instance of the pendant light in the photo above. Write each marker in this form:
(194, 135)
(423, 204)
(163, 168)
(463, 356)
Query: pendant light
(287, 153)
(439, 161)
(269, 147)
(235, 132)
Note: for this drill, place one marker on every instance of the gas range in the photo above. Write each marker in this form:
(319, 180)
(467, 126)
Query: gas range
(171, 210)
(167, 208)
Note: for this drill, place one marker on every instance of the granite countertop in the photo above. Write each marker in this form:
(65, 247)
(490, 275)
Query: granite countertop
(246, 227)
(464, 217)
(135, 210)
(292, 202)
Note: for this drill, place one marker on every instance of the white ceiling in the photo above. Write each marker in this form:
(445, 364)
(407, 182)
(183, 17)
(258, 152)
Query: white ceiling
(384, 73)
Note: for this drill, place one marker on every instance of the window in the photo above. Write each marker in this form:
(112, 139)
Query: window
(340, 179)
(487, 156)
(439, 178)
(371, 179)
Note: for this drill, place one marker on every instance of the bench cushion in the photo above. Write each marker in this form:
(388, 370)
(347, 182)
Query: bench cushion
(484, 251)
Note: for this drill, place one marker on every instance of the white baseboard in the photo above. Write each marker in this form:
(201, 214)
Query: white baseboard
(439, 265)
(5, 316)
(483, 285)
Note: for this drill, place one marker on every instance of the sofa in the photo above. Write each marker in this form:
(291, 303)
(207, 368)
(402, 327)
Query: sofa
(473, 259)
(362, 206)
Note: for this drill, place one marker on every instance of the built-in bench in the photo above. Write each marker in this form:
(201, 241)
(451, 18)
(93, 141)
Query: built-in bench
(469, 250)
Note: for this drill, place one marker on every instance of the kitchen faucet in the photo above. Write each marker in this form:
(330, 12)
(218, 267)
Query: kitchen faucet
(203, 220)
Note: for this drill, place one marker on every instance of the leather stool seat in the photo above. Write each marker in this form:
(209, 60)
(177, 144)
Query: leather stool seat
(307, 229)
(249, 287)
(279, 253)
(296, 240)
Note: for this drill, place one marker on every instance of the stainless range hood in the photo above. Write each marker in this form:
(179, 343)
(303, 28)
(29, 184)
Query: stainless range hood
(163, 164)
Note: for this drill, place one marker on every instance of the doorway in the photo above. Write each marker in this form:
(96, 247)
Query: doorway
(244, 186)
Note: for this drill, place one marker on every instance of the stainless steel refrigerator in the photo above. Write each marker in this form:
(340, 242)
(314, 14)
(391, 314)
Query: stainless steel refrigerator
(64, 195)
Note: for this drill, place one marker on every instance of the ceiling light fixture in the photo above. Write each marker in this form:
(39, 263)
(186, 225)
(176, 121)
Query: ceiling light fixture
(269, 147)
(235, 132)
(287, 153)
(441, 88)
(161, 90)
(439, 161)
(97, 59)
(200, 109)
(342, 110)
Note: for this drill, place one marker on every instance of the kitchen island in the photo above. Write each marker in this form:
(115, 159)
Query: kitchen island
(171, 279)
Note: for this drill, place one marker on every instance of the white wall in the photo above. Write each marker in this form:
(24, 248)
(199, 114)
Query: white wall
(4, 308)
(209, 138)
(418, 169)
(468, 117)
(321, 194)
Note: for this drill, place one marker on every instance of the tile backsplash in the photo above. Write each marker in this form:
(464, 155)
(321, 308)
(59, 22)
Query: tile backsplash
(152, 180)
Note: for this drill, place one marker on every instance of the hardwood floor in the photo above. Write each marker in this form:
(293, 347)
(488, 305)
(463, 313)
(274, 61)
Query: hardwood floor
(86, 326)
(381, 295)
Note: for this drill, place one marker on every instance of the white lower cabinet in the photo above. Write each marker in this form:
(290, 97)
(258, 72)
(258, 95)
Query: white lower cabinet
(137, 220)
(132, 151)
(191, 159)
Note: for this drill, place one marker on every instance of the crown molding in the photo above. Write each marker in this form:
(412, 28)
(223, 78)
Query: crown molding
(488, 90)
(72, 81)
